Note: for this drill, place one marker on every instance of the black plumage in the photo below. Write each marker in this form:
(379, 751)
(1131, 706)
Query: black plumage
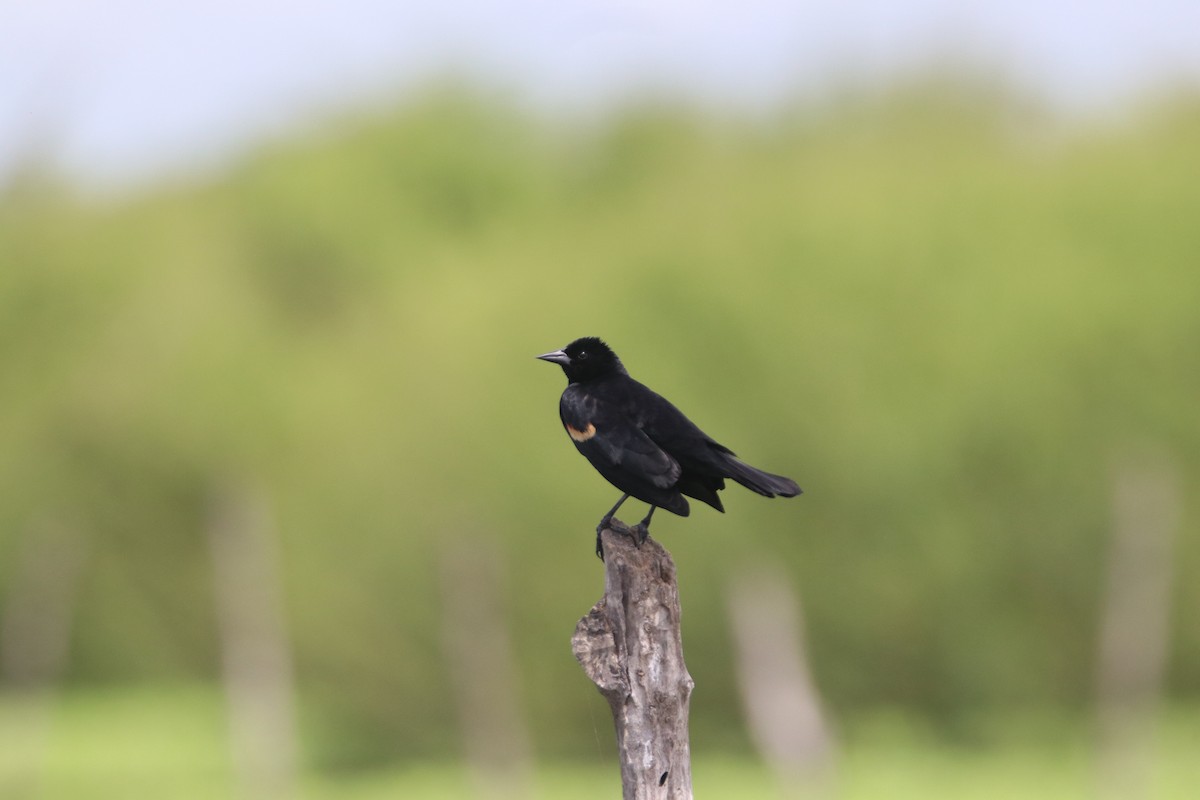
(641, 443)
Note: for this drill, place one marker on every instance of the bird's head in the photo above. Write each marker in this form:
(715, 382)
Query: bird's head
(585, 359)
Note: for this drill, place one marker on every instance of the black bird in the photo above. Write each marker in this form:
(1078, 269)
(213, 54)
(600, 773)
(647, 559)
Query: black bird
(641, 443)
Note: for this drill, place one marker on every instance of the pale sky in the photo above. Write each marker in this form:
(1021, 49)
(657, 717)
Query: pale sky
(122, 90)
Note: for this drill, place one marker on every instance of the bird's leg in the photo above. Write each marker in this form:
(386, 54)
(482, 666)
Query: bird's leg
(605, 521)
(607, 518)
(642, 529)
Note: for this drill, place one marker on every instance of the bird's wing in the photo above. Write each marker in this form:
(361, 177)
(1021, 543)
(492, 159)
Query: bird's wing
(609, 439)
(668, 427)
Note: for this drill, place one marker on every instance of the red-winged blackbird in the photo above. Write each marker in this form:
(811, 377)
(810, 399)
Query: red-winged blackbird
(641, 443)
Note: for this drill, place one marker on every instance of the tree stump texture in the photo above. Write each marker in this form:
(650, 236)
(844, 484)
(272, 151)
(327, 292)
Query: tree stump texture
(629, 645)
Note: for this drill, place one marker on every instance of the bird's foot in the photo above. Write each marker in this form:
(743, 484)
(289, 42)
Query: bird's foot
(641, 531)
(604, 523)
(638, 533)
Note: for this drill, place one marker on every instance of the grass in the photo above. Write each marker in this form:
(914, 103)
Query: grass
(160, 742)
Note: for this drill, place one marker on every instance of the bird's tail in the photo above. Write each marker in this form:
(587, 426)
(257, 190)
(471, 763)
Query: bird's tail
(756, 480)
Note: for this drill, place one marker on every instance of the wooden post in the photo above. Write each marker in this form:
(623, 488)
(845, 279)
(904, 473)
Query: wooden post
(255, 653)
(482, 668)
(783, 707)
(629, 645)
(1135, 630)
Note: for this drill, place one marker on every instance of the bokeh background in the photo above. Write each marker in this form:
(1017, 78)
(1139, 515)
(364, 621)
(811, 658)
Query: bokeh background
(285, 506)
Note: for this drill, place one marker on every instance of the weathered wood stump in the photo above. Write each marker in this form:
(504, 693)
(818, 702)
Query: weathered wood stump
(629, 645)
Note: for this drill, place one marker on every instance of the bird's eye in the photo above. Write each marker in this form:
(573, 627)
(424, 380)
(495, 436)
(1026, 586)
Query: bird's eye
(583, 356)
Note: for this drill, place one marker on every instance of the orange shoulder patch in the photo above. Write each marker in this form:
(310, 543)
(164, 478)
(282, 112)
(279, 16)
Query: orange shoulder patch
(582, 435)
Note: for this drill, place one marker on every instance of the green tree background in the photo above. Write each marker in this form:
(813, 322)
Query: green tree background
(947, 314)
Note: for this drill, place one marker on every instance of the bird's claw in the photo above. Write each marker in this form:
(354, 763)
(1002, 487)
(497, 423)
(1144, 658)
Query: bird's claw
(638, 533)
(604, 523)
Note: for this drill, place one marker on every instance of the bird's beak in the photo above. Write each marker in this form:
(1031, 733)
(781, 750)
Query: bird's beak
(558, 357)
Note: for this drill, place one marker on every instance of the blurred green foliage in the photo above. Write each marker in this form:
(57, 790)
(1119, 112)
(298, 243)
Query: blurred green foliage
(172, 743)
(946, 315)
